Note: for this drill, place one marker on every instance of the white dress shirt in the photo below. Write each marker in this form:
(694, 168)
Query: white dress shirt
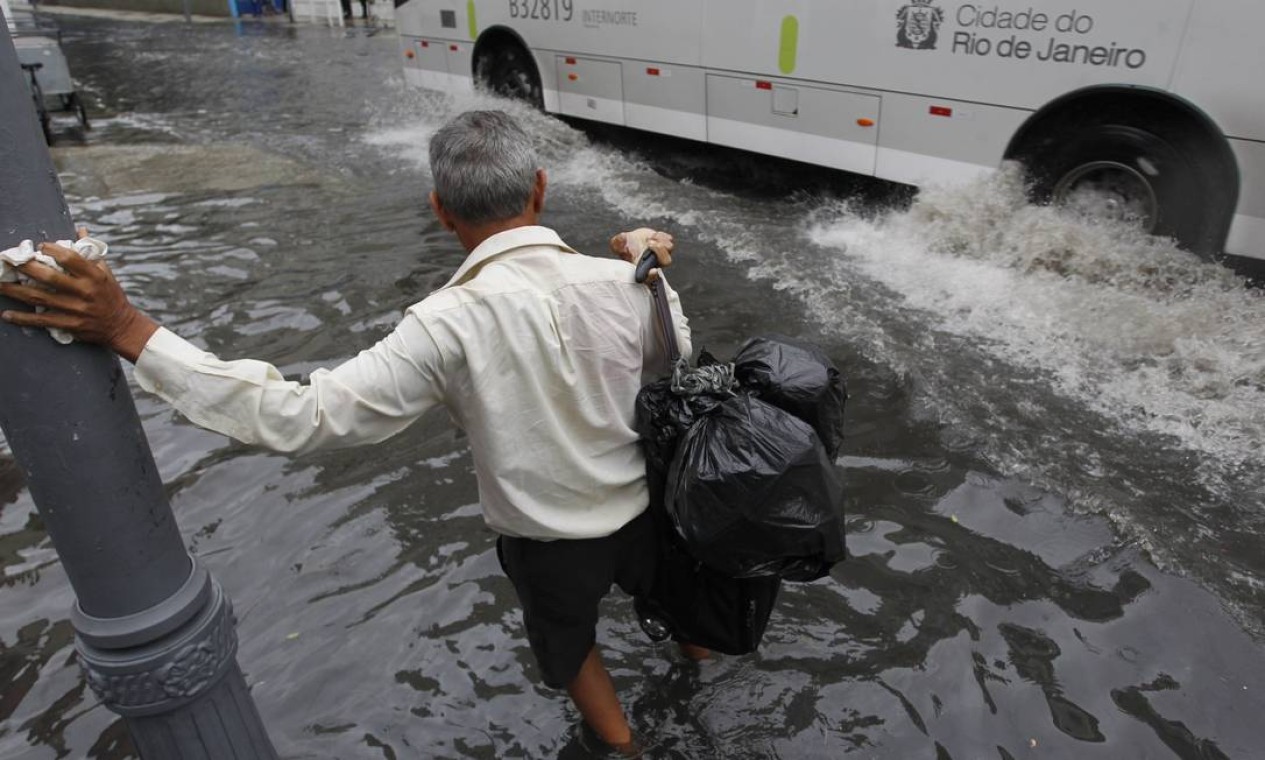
(537, 351)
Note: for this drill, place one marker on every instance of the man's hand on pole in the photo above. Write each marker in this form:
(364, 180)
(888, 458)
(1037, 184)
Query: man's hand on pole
(630, 245)
(85, 300)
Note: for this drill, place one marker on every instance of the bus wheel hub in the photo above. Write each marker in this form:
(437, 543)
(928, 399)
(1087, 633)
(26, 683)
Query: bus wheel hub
(1109, 190)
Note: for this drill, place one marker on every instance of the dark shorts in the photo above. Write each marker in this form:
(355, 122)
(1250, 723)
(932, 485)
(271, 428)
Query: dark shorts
(560, 584)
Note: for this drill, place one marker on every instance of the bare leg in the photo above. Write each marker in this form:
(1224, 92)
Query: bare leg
(693, 651)
(594, 694)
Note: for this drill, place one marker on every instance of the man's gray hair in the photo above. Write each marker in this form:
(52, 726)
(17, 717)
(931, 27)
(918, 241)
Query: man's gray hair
(484, 166)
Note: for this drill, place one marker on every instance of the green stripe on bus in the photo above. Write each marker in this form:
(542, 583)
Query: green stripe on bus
(789, 46)
(474, 22)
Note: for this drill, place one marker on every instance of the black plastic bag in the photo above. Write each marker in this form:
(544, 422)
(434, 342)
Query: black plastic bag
(752, 493)
(661, 418)
(693, 603)
(663, 415)
(798, 378)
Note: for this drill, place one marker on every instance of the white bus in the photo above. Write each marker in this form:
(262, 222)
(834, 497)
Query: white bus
(1153, 110)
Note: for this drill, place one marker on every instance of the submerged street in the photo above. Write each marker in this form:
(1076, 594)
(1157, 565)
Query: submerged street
(1056, 510)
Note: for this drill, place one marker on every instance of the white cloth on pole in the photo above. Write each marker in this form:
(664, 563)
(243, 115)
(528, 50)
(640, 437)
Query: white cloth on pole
(12, 258)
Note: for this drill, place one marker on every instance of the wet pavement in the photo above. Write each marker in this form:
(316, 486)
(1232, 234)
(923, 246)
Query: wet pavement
(1054, 493)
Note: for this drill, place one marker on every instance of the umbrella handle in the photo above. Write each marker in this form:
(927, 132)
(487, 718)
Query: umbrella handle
(666, 329)
(648, 261)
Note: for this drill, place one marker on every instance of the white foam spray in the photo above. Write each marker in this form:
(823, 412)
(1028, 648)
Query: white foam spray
(1141, 331)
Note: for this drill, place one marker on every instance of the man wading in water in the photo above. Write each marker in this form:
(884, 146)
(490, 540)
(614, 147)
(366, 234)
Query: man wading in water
(536, 351)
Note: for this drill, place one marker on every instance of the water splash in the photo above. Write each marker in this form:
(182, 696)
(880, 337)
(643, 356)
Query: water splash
(1141, 331)
(407, 137)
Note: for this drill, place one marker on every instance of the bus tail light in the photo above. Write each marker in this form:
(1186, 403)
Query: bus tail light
(652, 72)
(942, 111)
(760, 84)
(570, 61)
(865, 122)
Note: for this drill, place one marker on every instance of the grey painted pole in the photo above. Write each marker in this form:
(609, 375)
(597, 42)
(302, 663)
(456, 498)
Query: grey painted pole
(155, 633)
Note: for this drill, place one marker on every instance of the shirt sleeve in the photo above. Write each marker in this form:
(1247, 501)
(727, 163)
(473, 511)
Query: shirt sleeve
(364, 400)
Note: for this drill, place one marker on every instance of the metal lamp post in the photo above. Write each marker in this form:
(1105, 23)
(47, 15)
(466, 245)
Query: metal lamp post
(155, 632)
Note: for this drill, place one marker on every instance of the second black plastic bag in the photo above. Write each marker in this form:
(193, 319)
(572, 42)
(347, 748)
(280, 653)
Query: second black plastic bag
(798, 378)
(753, 493)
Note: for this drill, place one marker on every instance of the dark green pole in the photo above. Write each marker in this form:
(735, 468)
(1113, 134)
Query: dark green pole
(156, 635)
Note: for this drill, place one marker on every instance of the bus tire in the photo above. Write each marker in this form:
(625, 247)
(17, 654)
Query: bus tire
(508, 70)
(1122, 172)
(1134, 153)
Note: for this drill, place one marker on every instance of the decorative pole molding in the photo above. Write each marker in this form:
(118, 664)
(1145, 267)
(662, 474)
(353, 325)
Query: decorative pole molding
(156, 635)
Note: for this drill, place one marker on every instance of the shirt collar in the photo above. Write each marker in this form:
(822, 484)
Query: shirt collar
(505, 242)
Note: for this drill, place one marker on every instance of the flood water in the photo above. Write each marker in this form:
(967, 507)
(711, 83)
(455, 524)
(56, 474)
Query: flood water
(1055, 494)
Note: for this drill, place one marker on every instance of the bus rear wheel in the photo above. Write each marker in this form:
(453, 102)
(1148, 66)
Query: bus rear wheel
(1123, 173)
(509, 71)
